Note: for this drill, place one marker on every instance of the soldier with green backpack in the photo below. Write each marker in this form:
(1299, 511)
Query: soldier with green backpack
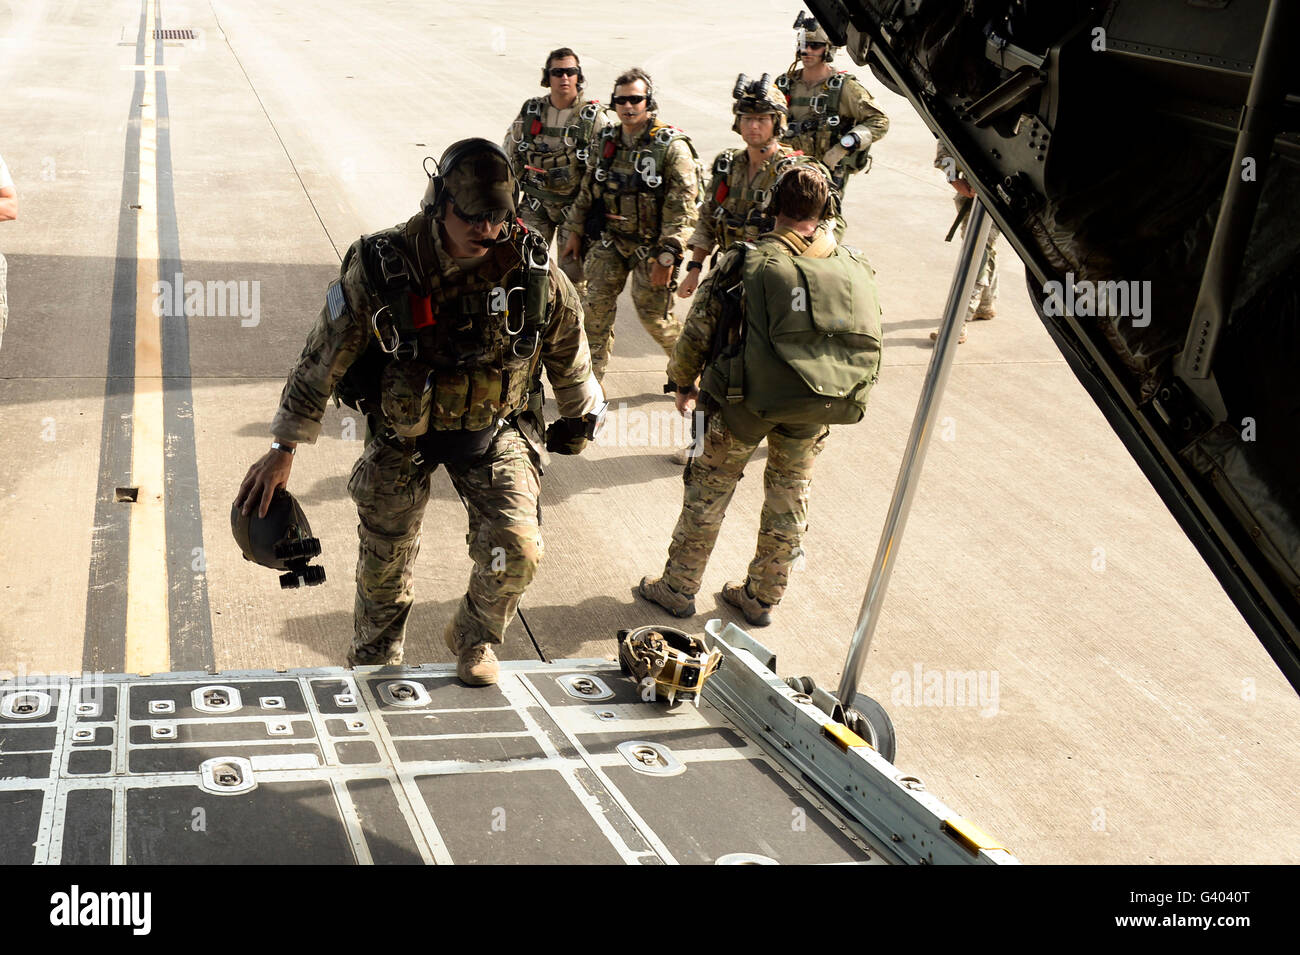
(784, 340)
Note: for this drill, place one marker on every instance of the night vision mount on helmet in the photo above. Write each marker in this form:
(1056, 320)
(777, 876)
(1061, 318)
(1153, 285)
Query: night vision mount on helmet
(282, 540)
(810, 31)
(758, 97)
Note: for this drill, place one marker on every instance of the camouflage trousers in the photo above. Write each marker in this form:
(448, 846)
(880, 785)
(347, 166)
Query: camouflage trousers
(500, 491)
(607, 272)
(548, 220)
(4, 296)
(711, 479)
(985, 293)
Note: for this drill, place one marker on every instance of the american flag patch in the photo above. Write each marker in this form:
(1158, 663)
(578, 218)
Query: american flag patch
(335, 301)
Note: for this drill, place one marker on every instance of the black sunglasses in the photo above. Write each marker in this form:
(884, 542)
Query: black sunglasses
(814, 46)
(625, 100)
(495, 217)
(564, 71)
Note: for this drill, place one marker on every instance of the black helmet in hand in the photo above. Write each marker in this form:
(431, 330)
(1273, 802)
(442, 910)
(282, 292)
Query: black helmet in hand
(282, 540)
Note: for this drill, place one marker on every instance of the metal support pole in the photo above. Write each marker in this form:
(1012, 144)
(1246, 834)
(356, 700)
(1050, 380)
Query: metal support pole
(1259, 123)
(909, 472)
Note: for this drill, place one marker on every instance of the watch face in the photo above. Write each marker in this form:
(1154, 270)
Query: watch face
(666, 258)
(847, 141)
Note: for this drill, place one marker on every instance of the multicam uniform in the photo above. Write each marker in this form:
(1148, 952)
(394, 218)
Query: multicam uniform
(985, 294)
(711, 476)
(479, 373)
(648, 186)
(549, 150)
(821, 113)
(731, 212)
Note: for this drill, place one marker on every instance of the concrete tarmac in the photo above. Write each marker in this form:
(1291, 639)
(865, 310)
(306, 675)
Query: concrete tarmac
(1060, 665)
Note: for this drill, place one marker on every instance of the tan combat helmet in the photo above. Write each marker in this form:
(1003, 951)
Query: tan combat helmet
(759, 96)
(808, 30)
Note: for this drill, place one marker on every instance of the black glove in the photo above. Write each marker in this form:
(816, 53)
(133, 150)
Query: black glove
(567, 436)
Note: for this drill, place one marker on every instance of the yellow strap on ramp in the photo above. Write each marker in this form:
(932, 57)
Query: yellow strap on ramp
(971, 836)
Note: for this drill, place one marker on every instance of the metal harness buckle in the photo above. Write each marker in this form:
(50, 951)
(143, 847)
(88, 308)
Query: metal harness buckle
(512, 332)
(818, 103)
(387, 347)
(664, 136)
(572, 140)
(534, 108)
(835, 82)
(536, 343)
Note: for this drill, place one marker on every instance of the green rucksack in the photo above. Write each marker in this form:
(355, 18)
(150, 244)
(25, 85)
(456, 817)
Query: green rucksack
(809, 351)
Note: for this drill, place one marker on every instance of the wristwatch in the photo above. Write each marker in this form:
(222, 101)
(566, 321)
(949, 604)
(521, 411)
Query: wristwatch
(666, 259)
(277, 446)
(850, 141)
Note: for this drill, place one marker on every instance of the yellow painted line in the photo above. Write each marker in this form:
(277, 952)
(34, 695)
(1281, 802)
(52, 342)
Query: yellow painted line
(147, 637)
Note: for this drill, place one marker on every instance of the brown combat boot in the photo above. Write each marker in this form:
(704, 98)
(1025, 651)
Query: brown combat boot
(983, 314)
(476, 665)
(658, 592)
(756, 612)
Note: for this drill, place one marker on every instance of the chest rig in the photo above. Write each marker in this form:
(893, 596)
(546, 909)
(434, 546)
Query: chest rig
(449, 353)
(740, 203)
(551, 174)
(630, 182)
(820, 122)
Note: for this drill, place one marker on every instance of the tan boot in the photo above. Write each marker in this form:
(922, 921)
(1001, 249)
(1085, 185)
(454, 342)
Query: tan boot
(983, 314)
(657, 592)
(756, 612)
(476, 665)
(961, 339)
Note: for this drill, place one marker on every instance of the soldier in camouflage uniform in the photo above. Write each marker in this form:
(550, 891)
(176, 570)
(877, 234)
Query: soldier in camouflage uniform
(832, 116)
(741, 177)
(550, 144)
(420, 333)
(983, 299)
(733, 433)
(637, 208)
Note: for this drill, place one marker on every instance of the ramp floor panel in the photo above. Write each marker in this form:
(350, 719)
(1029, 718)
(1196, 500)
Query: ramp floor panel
(559, 763)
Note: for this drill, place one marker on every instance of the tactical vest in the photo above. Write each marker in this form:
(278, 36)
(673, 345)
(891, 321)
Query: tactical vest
(738, 216)
(630, 182)
(551, 175)
(448, 356)
(818, 132)
(799, 340)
